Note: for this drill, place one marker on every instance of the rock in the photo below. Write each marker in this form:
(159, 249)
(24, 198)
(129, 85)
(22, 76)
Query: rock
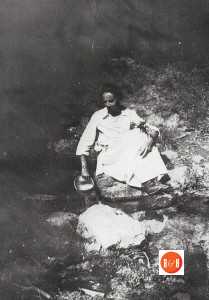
(153, 214)
(62, 218)
(179, 177)
(156, 201)
(93, 293)
(181, 296)
(148, 215)
(105, 226)
(151, 225)
(154, 226)
(197, 159)
(172, 155)
(155, 120)
(111, 190)
(148, 202)
(129, 199)
(139, 215)
(172, 121)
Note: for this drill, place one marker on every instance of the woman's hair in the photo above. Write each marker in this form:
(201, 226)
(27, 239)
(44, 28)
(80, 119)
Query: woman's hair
(113, 89)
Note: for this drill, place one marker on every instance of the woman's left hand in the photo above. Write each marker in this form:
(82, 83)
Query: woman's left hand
(145, 148)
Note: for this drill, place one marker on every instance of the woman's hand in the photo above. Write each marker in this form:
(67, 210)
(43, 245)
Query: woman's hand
(146, 147)
(151, 132)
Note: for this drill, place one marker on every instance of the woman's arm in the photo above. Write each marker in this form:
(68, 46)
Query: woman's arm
(86, 141)
(84, 166)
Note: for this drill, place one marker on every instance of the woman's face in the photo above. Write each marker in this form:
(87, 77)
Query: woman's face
(112, 104)
(109, 99)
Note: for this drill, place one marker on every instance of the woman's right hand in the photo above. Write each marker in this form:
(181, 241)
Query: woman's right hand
(85, 173)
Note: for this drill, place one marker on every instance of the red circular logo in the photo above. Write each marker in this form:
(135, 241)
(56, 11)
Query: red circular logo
(171, 262)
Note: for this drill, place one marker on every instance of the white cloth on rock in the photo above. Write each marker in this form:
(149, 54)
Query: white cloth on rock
(105, 226)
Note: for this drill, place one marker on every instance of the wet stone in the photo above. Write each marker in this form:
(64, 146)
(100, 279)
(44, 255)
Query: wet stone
(152, 214)
(148, 202)
(114, 191)
(129, 199)
(157, 201)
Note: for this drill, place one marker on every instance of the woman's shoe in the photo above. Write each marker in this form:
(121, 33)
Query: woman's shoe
(153, 187)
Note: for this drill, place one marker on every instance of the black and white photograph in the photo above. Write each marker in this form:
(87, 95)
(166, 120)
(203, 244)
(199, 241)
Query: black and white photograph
(104, 150)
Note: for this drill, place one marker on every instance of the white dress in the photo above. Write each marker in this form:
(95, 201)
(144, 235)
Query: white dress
(119, 147)
(123, 162)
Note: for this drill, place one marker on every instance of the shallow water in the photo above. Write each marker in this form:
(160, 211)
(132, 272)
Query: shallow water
(30, 191)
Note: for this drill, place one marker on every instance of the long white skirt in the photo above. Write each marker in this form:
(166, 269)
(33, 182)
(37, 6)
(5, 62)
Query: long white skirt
(121, 160)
